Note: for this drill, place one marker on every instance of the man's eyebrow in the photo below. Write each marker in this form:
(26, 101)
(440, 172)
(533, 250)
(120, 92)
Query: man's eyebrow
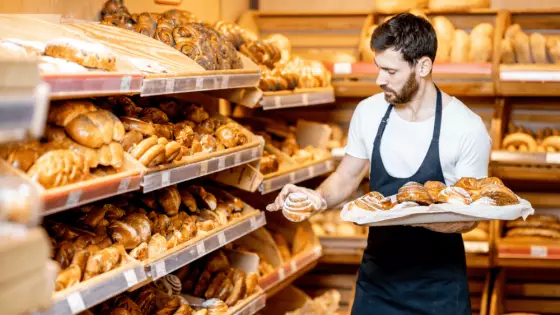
(384, 68)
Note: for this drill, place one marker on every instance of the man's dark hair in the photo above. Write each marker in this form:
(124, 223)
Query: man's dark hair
(413, 36)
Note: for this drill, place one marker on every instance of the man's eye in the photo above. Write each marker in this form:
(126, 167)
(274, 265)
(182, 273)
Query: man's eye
(391, 72)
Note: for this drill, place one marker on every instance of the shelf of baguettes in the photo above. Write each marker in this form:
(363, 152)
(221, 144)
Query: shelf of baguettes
(530, 54)
(534, 242)
(297, 98)
(127, 178)
(166, 70)
(23, 98)
(60, 51)
(466, 42)
(133, 273)
(520, 291)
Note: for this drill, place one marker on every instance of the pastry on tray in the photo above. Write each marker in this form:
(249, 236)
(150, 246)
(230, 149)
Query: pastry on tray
(91, 55)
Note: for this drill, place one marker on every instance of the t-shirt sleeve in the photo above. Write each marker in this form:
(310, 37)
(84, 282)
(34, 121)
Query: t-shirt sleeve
(355, 145)
(475, 152)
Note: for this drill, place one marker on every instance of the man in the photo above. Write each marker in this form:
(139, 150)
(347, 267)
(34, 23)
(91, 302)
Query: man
(410, 132)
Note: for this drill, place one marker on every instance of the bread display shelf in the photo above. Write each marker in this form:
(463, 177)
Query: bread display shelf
(290, 270)
(529, 80)
(462, 79)
(73, 195)
(534, 250)
(182, 84)
(251, 305)
(92, 84)
(160, 177)
(188, 252)
(298, 97)
(530, 158)
(275, 181)
(96, 290)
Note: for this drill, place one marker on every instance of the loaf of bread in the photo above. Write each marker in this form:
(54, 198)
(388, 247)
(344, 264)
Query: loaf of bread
(521, 47)
(538, 48)
(445, 32)
(481, 40)
(58, 168)
(507, 53)
(91, 55)
(460, 47)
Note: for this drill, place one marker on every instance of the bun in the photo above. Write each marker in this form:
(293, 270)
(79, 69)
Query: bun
(501, 194)
(454, 195)
(58, 168)
(521, 47)
(93, 129)
(204, 198)
(460, 47)
(538, 48)
(481, 49)
(414, 192)
(188, 199)
(434, 188)
(507, 54)
(539, 232)
(61, 113)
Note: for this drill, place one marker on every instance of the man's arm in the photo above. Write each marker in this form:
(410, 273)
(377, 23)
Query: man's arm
(334, 190)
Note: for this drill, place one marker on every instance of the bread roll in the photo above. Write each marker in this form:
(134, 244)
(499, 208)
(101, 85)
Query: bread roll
(511, 31)
(460, 47)
(538, 48)
(61, 113)
(444, 28)
(481, 49)
(554, 52)
(457, 4)
(521, 47)
(483, 29)
(507, 54)
(390, 6)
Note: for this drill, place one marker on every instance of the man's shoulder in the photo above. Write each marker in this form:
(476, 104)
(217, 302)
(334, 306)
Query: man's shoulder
(372, 106)
(464, 121)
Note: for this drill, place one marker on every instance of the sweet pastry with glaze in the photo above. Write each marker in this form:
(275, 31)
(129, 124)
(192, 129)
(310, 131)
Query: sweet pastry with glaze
(454, 195)
(269, 163)
(297, 207)
(183, 133)
(489, 181)
(140, 253)
(58, 168)
(414, 192)
(434, 188)
(231, 135)
(170, 200)
(87, 54)
(501, 194)
(215, 307)
(170, 306)
(468, 183)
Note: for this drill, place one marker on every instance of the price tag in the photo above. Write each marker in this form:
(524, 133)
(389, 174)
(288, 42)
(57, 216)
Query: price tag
(131, 279)
(73, 198)
(281, 274)
(199, 83)
(76, 302)
(553, 158)
(237, 158)
(123, 185)
(305, 99)
(158, 269)
(342, 68)
(292, 177)
(277, 101)
(225, 81)
(165, 179)
(539, 251)
(216, 83)
(221, 163)
(169, 85)
(221, 238)
(311, 171)
(253, 222)
(203, 167)
(293, 266)
(200, 248)
(125, 83)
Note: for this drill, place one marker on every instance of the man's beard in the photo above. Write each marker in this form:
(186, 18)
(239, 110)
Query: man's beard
(407, 93)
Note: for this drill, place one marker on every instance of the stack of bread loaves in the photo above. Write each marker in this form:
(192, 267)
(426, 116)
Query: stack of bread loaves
(519, 47)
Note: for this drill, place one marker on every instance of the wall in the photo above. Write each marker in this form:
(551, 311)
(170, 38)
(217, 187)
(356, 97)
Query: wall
(316, 5)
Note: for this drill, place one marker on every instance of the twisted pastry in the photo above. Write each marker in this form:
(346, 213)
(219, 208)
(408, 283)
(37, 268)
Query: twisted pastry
(146, 24)
(164, 32)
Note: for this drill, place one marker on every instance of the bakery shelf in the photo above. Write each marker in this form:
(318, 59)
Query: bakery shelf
(286, 273)
(70, 196)
(530, 158)
(251, 305)
(159, 177)
(297, 98)
(96, 290)
(461, 79)
(275, 181)
(64, 86)
(165, 69)
(188, 252)
(529, 80)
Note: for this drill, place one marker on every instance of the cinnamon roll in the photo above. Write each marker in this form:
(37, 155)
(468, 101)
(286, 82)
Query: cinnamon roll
(297, 207)
(164, 33)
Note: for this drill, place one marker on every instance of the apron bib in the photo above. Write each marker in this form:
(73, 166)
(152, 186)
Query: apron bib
(410, 270)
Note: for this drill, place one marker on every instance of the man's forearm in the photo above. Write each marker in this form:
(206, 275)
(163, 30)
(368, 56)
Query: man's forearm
(337, 187)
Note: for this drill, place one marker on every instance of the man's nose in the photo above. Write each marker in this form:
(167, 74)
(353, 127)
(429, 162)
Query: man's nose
(381, 79)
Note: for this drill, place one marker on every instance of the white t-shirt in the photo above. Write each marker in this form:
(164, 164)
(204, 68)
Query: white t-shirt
(464, 144)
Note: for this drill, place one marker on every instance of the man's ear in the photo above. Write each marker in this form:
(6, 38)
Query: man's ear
(424, 67)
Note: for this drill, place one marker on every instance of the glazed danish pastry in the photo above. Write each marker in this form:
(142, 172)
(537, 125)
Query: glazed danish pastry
(414, 192)
(454, 195)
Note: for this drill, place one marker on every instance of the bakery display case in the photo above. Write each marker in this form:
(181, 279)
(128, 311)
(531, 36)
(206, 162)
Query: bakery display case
(520, 291)
(529, 53)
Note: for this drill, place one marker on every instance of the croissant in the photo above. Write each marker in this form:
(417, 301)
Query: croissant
(489, 181)
(124, 234)
(141, 224)
(58, 136)
(218, 262)
(102, 261)
(468, 183)
(454, 195)
(231, 135)
(251, 283)
(215, 285)
(170, 200)
(414, 193)
(205, 198)
(164, 32)
(434, 188)
(68, 278)
(501, 194)
(188, 200)
(239, 287)
(140, 253)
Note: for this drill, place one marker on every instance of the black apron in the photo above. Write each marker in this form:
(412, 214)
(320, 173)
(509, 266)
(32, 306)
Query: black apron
(411, 270)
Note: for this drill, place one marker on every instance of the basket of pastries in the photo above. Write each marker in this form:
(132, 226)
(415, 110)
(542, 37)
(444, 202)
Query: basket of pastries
(469, 199)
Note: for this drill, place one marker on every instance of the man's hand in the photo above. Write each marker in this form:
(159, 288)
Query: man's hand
(312, 195)
(455, 227)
